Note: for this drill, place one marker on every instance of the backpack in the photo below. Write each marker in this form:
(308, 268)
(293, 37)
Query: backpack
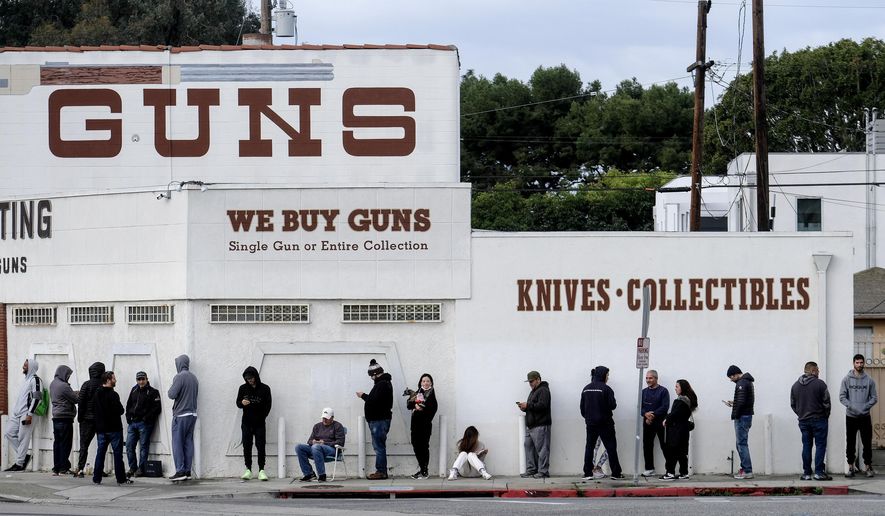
(43, 405)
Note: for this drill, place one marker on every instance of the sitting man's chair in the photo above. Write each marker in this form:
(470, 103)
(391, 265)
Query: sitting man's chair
(338, 457)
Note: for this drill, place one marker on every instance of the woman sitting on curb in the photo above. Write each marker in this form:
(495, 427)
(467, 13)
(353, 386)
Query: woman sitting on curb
(470, 450)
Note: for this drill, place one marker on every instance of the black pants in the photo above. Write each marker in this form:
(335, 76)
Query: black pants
(609, 440)
(62, 442)
(865, 425)
(259, 433)
(649, 432)
(87, 434)
(421, 443)
(677, 452)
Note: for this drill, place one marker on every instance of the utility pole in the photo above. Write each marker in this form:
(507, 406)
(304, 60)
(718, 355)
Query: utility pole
(759, 116)
(265, 17)
(700, 75)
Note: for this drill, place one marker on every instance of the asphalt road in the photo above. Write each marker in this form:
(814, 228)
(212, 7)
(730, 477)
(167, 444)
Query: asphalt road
(816, 505)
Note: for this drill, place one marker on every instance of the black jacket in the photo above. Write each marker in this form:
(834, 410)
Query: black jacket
(537, 407)
(424, 417)
(744, 397)
(677, 430)
(85, 406)
(108, 410)
(259, 398)
(143, 405)
(598, 400)
(809, 398)
(379, 401)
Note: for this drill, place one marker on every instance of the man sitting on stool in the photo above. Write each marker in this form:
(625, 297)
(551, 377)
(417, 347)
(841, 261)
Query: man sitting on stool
(324, 437)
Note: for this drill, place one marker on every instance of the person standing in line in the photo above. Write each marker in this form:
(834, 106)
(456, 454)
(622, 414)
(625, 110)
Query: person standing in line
(537, 427)
(810, 400)
(597, 406)
(86, 414)
(64, 408)
(655, 400)
(109, 429)
(379, 412)
(742, 415)
(423, 409)
(255, 399)
(21, 419)
(678, 430)
(142, 410)
(858, 394)
(183, 391)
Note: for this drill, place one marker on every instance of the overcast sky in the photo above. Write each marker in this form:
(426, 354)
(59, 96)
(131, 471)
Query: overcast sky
(609, 40)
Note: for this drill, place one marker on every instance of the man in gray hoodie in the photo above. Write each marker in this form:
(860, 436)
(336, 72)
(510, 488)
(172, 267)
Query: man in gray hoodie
(64, 409)
(858, 394)
(20, 426)
(184, 417)
(810, 400)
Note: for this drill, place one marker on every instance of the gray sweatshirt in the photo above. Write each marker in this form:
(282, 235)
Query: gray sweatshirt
(184, 388)
(858, 394)
(64, 400)
(29, 395)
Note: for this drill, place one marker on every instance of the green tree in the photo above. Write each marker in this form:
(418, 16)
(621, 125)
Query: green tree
(815, 102)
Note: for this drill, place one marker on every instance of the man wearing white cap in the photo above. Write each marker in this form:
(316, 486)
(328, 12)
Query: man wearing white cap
(324, 437)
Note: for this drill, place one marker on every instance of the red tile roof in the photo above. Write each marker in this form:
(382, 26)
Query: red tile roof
(175, 50)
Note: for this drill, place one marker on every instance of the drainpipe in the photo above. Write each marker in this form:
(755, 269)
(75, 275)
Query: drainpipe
(874, 215)
(821, 264)
(868, 216)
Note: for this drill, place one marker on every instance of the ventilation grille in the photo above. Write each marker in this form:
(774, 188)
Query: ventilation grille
(392, 312)
(91, 314)
(35, 316)
(150, 314)
(260, 314)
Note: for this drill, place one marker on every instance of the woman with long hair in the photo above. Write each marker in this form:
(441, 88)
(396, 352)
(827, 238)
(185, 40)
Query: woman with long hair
(678, 427)
(423, 408)
(470, 450)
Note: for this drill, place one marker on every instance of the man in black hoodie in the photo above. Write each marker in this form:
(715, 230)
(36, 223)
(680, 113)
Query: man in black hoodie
(742, 415)
(109, 428)
(810, 400)
(537, 427)
(597, 404)
(142, 409)
(86, 413)
(379, 412)
(255, 400)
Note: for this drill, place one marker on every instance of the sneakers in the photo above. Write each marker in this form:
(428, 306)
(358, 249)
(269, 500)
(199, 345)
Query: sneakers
(125, 482)
(528, 474)
(262, 475)
(321, 478)
(851, 471)
(377, 476)
(541, 475)
(822, 476)
(247, 475)
(683, 477)
(131, 472)
(617, 477)
(14, 467)
(453, 474)
(668, 477)
(805, 477)
(420, 475)
(79, 474)
(868, 471)
(742, 475)
(179, 475)
(485, 474)
(310, 476)
(648, 473)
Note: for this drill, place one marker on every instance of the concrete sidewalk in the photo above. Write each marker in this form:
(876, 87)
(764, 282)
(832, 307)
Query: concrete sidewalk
(39, 487)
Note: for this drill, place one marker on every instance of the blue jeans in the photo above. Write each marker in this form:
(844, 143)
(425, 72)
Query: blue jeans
(318, 452)
(183, 442)
(814, 431)
(115, 439)
(379, 431)
(139, 433)
(742, 433)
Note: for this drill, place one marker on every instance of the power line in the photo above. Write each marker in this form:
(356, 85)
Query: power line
(801, 6)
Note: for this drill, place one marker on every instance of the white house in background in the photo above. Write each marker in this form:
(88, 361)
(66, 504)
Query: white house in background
(807, 192)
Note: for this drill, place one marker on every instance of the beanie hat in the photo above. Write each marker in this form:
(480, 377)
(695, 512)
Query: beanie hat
(733, 369)
(375, 368)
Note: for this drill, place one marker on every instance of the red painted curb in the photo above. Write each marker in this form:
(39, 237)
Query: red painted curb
(540, 493)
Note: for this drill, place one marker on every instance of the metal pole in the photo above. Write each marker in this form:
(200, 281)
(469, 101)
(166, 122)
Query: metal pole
(443, 446)
(281, 448)
(759, 115)
(520, 437)
(361, 445)
(646, 297)
(700, 69)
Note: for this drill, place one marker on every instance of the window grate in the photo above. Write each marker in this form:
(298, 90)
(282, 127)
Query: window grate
(244, 314)
(35, 316)
(150, 314)
(392, 312)
(91, 314)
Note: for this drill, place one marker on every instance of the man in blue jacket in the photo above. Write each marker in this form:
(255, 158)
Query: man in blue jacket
(655, 403)
(597, 406)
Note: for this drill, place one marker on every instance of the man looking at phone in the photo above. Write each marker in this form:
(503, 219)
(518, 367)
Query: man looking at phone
(742, 415)
(537, 427)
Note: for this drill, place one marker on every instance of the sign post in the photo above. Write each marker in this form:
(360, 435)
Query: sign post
(643, 344)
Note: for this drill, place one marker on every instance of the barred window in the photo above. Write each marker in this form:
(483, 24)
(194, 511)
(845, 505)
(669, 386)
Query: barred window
(35, 316)
(259, 313)
(392, 312)
(91, 314)
(151, 314)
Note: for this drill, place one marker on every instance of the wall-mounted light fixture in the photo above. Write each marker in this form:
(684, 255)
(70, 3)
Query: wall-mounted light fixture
(179, 186)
